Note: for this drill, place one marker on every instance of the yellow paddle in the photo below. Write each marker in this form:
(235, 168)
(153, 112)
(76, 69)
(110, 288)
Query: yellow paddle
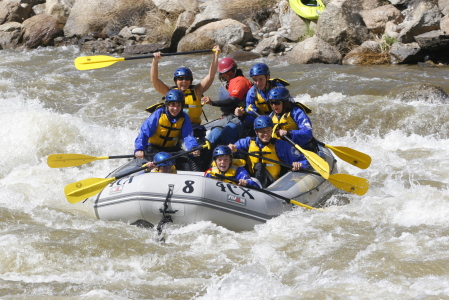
(354, 157)
(318, 163)
(219, 176)
(345, 182)
(73, 160)
(102, 61)
(78, 191)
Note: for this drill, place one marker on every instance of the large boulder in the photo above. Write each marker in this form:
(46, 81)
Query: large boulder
(59, 8)
(225, 32)
(10, 35)
(422, 92)
(405, 53)
(295, 26)
(433, 41)
(444, 25)
(426, 17)
(342, 26)
(269, 45)
(14, 11)
(444, 6)
(182, 24)
(376, 19)
(41, 30)
(314, 50)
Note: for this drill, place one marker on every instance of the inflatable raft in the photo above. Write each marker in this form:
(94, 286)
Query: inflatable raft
(189, 197)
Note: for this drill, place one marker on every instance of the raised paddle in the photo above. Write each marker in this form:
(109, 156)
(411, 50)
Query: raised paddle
(73, 160)
(345, 182)
(78, 191)
(291, 201)
(102, 61)
(354, 157)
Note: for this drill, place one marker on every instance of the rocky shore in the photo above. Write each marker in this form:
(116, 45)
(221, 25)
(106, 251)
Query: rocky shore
(358, 32)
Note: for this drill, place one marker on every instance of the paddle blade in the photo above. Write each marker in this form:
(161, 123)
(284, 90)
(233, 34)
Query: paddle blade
(317, 163)
(354, 157)
(95, 62)
(78, 191)
(69, 160)
(349, 183)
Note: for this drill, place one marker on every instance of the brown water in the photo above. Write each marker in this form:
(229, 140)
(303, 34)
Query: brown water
(391, 243)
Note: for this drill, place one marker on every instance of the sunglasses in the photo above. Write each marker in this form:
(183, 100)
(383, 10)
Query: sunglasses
(181, 78)
(275, 102)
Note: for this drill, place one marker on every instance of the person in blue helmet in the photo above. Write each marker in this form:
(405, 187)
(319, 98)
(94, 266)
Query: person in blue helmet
(163, 130)
(183, 79)
(224, 165)
(257, 96)
(265, 145)
(289, 118)
(162, 164)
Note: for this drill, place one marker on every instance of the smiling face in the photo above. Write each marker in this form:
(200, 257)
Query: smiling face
(276, 106)
(223, 162)
(174, 108)
(261, 81)
(228, 75)
(183, 82)
(264, 134)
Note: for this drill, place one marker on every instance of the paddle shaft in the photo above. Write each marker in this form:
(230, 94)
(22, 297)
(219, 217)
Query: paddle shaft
(291, 201)
(277, 162)
(168, 54)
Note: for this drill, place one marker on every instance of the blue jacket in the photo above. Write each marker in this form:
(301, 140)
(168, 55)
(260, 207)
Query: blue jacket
(149, 126)
(304, 133)
(241, 173)
(284, 151)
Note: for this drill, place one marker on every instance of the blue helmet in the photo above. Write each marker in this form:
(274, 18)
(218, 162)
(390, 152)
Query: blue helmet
(263, 122)
(279, 93)
(222, 150)
(160, 157)
(259, 69)
(175, 95)
(183, 71)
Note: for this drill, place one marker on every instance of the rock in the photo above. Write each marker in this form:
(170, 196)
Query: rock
(405, 53)
(377, 18)
(314, 50)
(444, 6)
(189, 5)
(426, 17)
(341, 25)
(433, 41)
(60, 9)
(139, 31)
(143, 49)
(225, 32)
(422, 92)
(269, 45)
(10, 35)
(244, 56)
(13, 11)
(170, 6)
(41, 30)
(297, 27)
(369, 53)
(182, 24)
(39, 9)
(444, 25)
(392, 30)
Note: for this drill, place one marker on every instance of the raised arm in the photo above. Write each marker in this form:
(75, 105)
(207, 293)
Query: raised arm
(207, 81)
(158, 84)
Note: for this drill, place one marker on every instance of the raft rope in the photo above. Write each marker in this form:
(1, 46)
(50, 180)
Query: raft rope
(166, 217)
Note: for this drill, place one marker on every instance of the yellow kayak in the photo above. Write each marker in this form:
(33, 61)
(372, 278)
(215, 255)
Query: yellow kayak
(307, 9)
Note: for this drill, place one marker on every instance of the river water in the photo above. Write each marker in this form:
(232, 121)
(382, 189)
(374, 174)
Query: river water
(392, 243)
